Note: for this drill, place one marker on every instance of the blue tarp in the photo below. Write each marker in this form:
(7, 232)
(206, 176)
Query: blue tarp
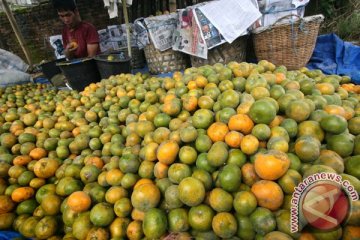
(10, 235)
(335, 56)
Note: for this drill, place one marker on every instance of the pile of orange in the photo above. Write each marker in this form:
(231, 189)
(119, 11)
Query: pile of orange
(211, 153)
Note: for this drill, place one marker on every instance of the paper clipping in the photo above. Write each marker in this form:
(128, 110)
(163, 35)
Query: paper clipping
(161, 30)
(188, 37)
(57, 44)
(231, 17)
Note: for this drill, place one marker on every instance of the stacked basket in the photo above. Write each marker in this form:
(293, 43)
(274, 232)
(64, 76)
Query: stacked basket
(166, 61)
(288, 43)
(137, 56)
(225, 53)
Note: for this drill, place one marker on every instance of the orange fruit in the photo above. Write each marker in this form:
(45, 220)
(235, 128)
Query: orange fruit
(217, 131)
(79, 201)
(178, 220)
(191, 191)
(233, 139)
(220, 200)
(202, 118)
(241, 122)
(289, 181)
(200, 217)
(268, 194)
(244, 202)
(154, 223)
(334, 124)
(307, 148)
(145, 196)
(249, 144)
(299, 110)
(262, 111)
(261, 131)
(167, 152)
(224, 225)
(248, 174)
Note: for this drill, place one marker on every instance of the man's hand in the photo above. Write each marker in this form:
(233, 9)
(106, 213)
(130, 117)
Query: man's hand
(70, 50)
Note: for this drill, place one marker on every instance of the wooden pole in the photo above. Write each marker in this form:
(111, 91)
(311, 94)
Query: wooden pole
(126, 17)
(16, 29)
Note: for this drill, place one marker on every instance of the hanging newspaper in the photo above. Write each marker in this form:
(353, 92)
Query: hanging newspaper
(187, 36)
(105, 43)
(270, 6)
(118, 36)
(211, 35)
(161, 29)
(274, 10)
(141, 34)
(231, 17)
(57, 44)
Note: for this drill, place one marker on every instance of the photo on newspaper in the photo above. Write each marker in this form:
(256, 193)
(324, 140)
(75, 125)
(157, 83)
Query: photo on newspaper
(141, 34)
(232, 18)
(187, 37)
(105, 43)
(117, 35)
(57, 44)
(161, 29)
(116, 32)
(211, 35)
(132, 34)
(275, 11)
(272, 6)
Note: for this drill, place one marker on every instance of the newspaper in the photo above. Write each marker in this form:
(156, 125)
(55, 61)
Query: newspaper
(161, 29)
(141, 34)
(271, 18)
(274, 10)
(116, 32)
(231, 17)
(105, 43)
(271, 6)
(299, 3)
(57, 44)
(118, 35)
(188, 37)
(211, 35)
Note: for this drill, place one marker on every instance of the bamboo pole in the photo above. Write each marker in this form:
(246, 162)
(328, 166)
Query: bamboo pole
(16, 29)
(126, 17)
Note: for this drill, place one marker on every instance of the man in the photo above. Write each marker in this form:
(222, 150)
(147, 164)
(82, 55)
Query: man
(79, 38)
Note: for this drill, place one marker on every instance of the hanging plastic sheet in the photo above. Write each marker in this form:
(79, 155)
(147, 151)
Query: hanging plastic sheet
(332, 55)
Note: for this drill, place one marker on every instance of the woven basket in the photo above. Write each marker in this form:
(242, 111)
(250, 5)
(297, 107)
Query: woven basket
(288, 44)
(137, 56)
(166, 61)
(225, 53)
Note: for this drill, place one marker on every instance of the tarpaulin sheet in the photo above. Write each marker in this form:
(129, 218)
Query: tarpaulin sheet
(10, 235)
(335, 56)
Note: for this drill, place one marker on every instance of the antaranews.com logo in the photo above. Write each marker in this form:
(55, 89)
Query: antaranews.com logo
(322, 200)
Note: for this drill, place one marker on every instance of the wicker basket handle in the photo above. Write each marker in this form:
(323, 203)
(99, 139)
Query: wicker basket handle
(285, 17)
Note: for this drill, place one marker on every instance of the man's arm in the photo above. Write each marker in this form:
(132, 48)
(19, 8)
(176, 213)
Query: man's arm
(92, 41)
(92, 49)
